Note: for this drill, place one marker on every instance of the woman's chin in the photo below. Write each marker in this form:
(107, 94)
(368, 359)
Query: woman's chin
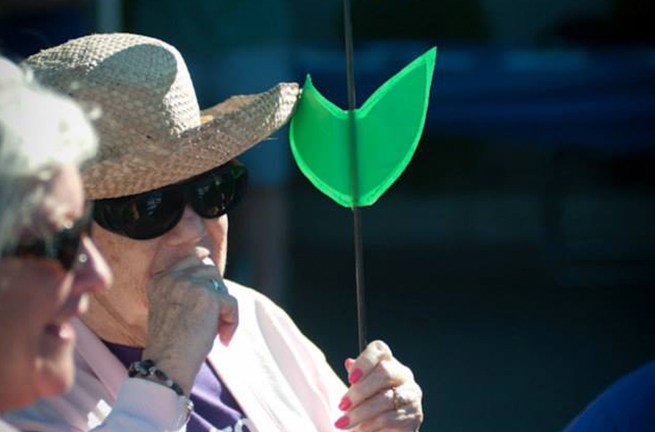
(56, 378)
(55, 368)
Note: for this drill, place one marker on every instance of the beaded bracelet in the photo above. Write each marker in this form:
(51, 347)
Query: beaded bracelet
(147, 368)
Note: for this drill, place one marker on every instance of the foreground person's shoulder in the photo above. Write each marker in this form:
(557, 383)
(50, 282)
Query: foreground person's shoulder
(626, 406)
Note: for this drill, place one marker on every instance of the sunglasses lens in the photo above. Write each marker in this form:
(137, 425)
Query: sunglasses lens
(142, 217)
(151, 214)
(68, 249)
(213, 194)
(63, 246)
(68, 243)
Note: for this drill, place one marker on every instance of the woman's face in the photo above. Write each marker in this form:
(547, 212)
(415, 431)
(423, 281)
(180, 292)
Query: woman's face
(37, 300)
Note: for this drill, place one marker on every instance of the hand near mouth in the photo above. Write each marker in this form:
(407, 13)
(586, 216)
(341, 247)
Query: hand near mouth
(189, 306)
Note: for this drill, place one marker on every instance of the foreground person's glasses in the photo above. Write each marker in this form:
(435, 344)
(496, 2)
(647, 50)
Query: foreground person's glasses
(151, 214)
(64, 246)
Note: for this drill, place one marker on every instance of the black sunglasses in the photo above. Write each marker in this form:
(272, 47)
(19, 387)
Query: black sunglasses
(64, 246)
(151, 214)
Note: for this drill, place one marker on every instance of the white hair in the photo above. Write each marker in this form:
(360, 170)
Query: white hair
(39, 132)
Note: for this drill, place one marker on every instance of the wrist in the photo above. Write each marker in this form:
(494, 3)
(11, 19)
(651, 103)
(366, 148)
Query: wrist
(149, 370)
(136, 398)
(181, 371)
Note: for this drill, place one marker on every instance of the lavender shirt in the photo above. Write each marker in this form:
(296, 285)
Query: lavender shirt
(215, 409)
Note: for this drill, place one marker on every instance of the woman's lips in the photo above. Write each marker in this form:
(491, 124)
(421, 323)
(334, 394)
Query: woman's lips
(63, 331)
(61, 328)
(200, 252)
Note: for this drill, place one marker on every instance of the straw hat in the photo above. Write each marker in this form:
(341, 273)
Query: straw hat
(150, 125)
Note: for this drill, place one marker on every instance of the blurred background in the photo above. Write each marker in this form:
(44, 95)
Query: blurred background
(512, 265)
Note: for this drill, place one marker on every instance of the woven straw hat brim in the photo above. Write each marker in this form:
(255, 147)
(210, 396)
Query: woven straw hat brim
(230, 128)
(150, 128)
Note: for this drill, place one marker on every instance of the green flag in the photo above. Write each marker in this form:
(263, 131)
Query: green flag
(388, 130)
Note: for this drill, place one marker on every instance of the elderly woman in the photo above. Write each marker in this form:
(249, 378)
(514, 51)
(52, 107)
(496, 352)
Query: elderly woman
(162, 184)
(48, 263)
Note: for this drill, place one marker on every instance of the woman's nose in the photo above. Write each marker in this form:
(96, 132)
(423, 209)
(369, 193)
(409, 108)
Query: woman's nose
(189, 230)
(93, 273)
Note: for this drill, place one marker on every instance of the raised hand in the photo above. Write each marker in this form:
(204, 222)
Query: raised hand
(383, 395)
(189, 306)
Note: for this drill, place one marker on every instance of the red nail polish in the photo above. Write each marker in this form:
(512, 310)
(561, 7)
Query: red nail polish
(345, 403)
(355, 376)
(349, 363)
(342, 422)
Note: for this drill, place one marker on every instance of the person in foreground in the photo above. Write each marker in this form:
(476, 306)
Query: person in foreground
(48, 263)
(626, 406)
(162, 184)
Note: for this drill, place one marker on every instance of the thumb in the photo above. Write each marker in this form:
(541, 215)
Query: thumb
(228, 320)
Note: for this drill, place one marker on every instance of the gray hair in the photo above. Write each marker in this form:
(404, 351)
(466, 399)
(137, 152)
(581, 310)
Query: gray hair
(39, 132)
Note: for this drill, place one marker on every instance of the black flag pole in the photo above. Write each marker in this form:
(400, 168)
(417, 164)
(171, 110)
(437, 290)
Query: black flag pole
(354, 179)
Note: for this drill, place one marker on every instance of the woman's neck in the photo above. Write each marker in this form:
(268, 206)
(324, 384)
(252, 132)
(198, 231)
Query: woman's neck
(111, 326)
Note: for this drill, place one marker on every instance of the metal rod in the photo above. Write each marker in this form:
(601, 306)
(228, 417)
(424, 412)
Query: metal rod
(357, 224)
(359, 276)
(350, 67)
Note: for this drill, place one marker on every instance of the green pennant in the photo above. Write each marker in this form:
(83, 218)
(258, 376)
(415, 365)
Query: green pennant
(388, 130)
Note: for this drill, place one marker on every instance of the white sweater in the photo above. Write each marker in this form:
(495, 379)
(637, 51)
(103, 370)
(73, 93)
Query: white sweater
(279, 378)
